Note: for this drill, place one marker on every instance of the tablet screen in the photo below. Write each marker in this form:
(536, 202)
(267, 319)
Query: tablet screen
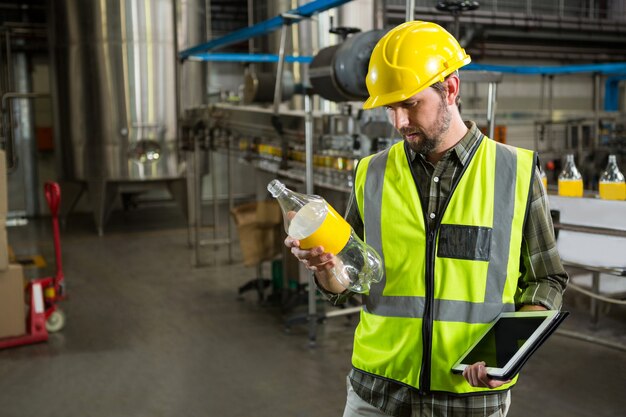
(503, 341)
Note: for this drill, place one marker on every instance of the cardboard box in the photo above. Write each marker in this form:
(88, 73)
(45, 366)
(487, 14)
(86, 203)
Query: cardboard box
(12, 302)
(259, 241)
(268, 212)
(4, 202)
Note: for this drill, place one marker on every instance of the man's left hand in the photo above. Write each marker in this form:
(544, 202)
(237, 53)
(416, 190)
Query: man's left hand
(531, 307)
(476, 375)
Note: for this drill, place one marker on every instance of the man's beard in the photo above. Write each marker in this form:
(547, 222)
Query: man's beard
(428, 141)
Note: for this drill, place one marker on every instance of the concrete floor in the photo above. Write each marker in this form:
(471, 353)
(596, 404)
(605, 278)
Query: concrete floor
(148, 335)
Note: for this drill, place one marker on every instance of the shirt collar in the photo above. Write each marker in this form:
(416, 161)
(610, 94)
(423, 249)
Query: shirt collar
(463, 148)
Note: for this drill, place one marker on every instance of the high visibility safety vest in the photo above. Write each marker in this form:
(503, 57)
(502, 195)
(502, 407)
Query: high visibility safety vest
(440, 290)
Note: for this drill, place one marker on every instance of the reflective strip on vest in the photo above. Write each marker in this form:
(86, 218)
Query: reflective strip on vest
(446, 310)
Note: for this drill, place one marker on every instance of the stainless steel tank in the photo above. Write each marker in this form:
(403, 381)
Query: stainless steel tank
(114, 65)
(116, 89)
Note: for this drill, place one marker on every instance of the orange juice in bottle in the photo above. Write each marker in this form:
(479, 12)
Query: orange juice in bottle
(570, 181)
(611, 184)
(313, 222)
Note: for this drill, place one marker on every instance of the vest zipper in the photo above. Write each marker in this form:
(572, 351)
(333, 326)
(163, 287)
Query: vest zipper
(427, 321)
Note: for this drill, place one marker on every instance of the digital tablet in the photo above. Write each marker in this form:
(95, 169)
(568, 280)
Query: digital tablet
(509, 341)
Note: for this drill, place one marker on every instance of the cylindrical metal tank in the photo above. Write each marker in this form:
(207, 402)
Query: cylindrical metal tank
(114, 65)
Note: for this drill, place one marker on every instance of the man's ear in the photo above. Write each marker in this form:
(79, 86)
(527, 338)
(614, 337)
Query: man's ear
(453, 83)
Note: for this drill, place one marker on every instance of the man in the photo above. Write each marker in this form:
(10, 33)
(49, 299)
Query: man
(463, 227)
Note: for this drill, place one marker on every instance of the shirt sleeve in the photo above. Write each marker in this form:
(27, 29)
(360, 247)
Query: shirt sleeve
(543, 278)
(353, 218)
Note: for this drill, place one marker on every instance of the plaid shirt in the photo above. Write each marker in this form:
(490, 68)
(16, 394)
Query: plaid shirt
(543, 281)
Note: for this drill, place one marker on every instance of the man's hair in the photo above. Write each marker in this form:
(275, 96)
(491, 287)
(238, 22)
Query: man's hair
(442, 89)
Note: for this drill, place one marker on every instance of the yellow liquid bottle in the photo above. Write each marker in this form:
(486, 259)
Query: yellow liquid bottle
(570, 181)
(318, 224)
(313, 222)
(571, 188)
(612, 185)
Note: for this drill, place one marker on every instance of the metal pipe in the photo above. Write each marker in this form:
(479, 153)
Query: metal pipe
(250, 24)
(278, 87)
(597, 92)
(308, 143)
(410, 10)
(379, 14)
(308, 147)
(191, 214)
(7, 124)
(543, 93)
(213, 172)
(3, 86)
(197, 198)
(9, 61)
(240, 57)
(229, 180)
(591, 339)
(550, 95)
(208, 33)
(597, 95)
(594, 304)
(264, 27)
(491, 108)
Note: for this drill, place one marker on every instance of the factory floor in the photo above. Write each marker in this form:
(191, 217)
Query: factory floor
(147, 334)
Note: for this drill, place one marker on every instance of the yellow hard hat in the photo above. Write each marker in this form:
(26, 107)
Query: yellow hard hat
(409, 58)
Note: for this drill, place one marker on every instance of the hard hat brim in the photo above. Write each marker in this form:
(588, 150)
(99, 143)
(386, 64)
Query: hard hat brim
(399, 96)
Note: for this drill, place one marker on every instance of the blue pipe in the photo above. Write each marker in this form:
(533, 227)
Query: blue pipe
(607, 68)
(239, 57)
(611, 92)
(262, 28)
(611, 85)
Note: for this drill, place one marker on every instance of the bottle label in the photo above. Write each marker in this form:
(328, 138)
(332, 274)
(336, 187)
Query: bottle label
(571, 188)
(333, 234)
(613, 190)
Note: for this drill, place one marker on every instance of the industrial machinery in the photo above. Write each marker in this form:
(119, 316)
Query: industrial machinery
(116, 106)
(591, 139)
(338, 72)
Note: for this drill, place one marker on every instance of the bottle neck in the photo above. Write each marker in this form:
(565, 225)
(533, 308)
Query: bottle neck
(276, 188)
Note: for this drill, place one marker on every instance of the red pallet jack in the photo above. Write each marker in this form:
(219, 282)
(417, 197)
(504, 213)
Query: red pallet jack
(42, 294)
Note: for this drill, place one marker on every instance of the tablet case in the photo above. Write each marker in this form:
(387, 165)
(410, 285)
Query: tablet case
(560, 316)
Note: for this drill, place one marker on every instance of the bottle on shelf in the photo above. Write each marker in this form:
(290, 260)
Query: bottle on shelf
(570, 181)
(612, 185)
(314, 222)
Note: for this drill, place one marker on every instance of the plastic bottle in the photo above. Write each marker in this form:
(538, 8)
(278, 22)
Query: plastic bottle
(612, 184)
(314, 222)
(570, 180)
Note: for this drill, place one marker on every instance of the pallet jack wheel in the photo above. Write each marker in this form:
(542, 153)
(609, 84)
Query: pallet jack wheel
(56, 321)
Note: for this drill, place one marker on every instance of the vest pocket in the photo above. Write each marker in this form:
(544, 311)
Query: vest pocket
(464, 242)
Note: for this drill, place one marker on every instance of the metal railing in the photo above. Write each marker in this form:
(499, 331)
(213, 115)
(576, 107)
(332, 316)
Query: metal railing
(582, 9)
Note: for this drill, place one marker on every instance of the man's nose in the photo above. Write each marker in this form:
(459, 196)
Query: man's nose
(400, 118)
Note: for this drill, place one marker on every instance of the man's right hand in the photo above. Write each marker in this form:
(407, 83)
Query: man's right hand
(314, 259)
(318, 261)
